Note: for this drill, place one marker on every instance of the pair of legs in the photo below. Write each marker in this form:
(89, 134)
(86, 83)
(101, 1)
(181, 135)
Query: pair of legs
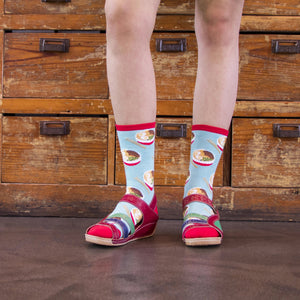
(130, 70)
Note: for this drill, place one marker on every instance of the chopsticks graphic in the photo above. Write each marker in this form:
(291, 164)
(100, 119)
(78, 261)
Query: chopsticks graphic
(206, 182)
(141, 182)
(135, 143)
(212, 143)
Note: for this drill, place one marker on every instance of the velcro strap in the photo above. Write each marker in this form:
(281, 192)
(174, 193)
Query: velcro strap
(126, 219)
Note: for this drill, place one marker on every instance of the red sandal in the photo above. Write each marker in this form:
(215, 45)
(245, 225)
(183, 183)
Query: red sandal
(200, 230)
(144, 229)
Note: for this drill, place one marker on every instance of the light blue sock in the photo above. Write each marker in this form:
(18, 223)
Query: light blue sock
(137, 148)
(206, 150)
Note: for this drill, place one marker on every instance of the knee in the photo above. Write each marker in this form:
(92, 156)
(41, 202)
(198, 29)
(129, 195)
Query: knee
(124, 20)
(217, 26)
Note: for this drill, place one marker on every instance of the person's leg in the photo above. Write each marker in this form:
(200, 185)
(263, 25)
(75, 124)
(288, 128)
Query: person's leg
(133, 95)
(217, 24)
(130, 70)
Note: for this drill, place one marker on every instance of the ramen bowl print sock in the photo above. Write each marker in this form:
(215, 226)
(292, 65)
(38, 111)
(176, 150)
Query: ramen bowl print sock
(206, 150)
(137, 148)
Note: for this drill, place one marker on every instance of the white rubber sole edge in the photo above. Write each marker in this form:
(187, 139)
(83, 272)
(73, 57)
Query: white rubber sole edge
(108, 242)
(203, 241)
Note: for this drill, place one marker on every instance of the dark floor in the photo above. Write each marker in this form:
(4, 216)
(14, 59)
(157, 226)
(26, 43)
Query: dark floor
(47, 258)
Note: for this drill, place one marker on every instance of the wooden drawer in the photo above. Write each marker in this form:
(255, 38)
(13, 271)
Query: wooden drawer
(78, 157)
(54, 7)
(264, 75)
(255, 7)
(261, 7)
(175, 71)
(79, 73)
(171, 157)
(261, 160)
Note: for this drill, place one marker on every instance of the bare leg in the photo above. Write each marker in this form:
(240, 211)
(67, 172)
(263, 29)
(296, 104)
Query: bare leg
(217, 24)
(130, 70)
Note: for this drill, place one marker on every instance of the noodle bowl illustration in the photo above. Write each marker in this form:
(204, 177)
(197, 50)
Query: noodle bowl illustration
(130, 157)
(197, 190)
(145, 137)
(203, 157)
(134, 191)
(221, 142)
(149, 179)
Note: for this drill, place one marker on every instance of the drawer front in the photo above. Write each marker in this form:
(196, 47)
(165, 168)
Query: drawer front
(175, 64)
(262, 7)
(171, 156)
(78, 73)
(265, 72)
(71, 150)
(261, 160)
(255, 7)
(54, 7)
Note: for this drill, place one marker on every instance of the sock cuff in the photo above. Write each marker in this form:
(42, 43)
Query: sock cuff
(135, 126)
(211, 129)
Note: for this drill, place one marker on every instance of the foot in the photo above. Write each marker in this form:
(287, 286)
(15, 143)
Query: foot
(200, 229)
(120, 229)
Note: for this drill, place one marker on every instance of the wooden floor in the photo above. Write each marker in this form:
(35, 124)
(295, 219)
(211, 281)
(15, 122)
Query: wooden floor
(47, 258)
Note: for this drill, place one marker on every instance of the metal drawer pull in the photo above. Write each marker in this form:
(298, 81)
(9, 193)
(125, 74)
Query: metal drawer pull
(54, 45)
(286, 130)
(61, 1)
(54, 127)
(286, 46)
(171, 130)
(171, 45)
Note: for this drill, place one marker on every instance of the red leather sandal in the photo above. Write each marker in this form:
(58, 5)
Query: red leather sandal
(144, 229)
(200, 230)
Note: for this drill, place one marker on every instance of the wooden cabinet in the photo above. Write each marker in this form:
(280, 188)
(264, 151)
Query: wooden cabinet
(59, 155)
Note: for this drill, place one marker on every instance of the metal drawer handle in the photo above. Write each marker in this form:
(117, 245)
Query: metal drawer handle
(286, 130)
(171, 45)
(54, 45)
(54, 127)
(286, 46)
(60, 1)
(171, 130)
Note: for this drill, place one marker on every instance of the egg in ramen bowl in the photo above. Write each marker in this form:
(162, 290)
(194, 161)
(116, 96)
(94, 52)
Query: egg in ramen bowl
(203, 157)
(145, 137)
(198, 191)
(149, 179)
(130, 157)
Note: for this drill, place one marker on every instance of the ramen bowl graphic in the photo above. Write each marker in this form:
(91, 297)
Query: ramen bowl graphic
(188, 178)
(203, 157)
(221, 142)
(198, 191)
(193, 138)
(134, 191)
(130, 157)
(145, 137)
(136, 216)
(149, 179)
